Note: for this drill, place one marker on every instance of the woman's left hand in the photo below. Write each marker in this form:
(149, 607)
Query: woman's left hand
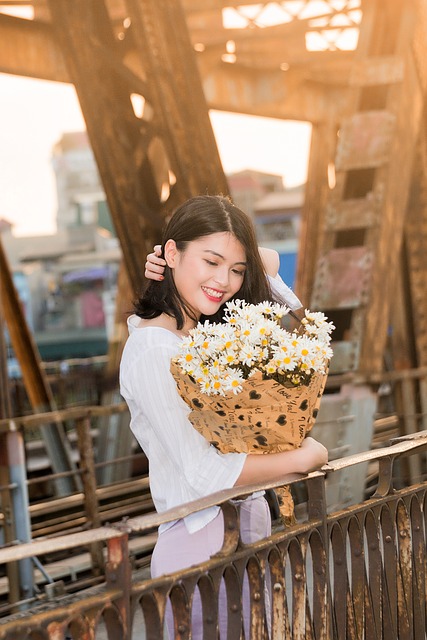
(155, 266)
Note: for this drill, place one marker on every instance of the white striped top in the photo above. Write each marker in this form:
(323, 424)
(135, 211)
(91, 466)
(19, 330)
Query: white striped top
(183, 466)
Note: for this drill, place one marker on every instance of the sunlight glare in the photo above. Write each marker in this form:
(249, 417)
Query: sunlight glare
(26, 12)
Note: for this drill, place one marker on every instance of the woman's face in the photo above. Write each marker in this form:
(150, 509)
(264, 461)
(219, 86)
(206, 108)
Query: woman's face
(209, 272)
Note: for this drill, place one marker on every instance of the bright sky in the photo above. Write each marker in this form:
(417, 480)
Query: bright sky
(35, 113)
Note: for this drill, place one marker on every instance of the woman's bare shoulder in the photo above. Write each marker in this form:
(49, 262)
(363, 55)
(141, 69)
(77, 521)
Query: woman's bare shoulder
(271, 261)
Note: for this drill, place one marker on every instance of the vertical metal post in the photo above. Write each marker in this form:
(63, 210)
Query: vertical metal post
(89, 488)
(5, 405)
(115, 439)
(118, 575)
(12, 454)
(8, 534)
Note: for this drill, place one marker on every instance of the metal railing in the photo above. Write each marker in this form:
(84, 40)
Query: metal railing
(354, 573)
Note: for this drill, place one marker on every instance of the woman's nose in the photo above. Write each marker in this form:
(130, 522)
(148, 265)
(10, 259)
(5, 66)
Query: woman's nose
(222, 277)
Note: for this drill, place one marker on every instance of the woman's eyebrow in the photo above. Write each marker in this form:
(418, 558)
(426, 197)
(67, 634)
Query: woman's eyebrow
(218, 255)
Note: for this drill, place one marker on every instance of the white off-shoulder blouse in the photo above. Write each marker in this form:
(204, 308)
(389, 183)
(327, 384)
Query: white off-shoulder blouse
(183, 466)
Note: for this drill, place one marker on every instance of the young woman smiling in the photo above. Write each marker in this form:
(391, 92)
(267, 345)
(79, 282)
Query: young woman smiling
(211, 256)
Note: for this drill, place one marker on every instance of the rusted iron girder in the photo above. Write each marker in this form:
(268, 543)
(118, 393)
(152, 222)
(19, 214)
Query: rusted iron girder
(117, 136)
(36, 383)
(5, 404)
(415, 242)
(27, 48)
(359, 256)
(169, 145)
(312, 89)
(162, 41)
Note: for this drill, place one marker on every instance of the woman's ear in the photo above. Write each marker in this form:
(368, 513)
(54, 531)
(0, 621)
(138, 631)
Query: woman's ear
(170, 253)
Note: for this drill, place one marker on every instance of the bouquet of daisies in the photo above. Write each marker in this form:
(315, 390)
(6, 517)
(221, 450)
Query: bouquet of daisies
(254, 386)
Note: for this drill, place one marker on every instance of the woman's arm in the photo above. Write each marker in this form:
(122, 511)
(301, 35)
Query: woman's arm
(262, 468)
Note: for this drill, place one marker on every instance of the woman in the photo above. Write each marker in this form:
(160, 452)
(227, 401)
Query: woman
(211, 256)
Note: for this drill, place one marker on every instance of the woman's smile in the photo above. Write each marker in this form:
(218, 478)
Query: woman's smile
(213, 294)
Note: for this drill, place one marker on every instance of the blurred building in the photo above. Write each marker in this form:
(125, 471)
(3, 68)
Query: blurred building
(277, 218)
(275, 211)
(67, 281)
(81, 199)
(249, 186)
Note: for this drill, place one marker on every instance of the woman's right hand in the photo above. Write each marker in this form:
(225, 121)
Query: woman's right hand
(155, 266)
(314, 455)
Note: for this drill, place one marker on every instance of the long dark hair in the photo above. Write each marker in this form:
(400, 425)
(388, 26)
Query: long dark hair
(198, 217)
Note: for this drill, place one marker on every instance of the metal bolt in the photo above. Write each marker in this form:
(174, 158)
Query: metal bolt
(257, 596)
(388, 538)
(298, 577)
(277, 586)
(403, 534)
(234, 608)
(182, 628)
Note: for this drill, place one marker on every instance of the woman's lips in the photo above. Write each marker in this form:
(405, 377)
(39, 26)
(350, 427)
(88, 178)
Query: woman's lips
(213, 294)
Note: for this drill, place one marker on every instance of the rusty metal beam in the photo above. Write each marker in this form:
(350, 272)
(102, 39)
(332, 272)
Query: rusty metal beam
(274, 94)
(5, 497)
(415, 242)
(162, 40)
(5, 404)
(322, 150)
(359, 258)
(116, 134)
(256, 85)
(27, 48)
(36, 384)
(151, 160)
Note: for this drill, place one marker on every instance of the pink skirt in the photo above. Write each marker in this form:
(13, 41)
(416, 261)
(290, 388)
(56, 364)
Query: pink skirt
(177, 549)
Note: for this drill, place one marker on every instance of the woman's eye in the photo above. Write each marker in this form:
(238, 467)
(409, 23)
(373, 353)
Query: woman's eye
(238, 272)
(212, 264)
